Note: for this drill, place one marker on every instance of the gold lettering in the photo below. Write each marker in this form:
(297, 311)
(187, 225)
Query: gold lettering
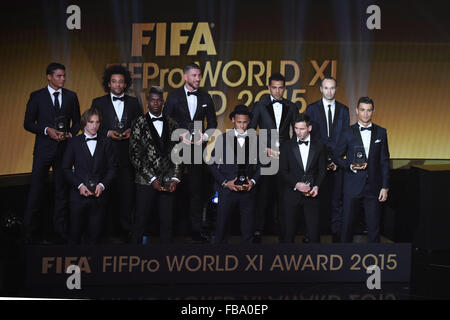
(257, 76)
(199, 263)
(176, 39)
(202, 31)
(208, 74)
(146, 76)
(171, 75)
(138, 39)
(161, 39)
(332, 258)
(293, 64)
(46, 264)
(308, 263)
(277, 263)
(240, 65)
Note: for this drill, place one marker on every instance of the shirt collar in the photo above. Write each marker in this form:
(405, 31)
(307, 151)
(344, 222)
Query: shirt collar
(308, 138)
(361, 126)
(52, 91)
(236, 133)
(88, 136)
(272, 98)
(325, 103)
(153, 116)
(112, 95)
(186, 90)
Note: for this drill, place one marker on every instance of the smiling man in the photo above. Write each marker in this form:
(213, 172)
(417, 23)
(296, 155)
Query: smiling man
(189, 105)
(118, 111)
(366, 182)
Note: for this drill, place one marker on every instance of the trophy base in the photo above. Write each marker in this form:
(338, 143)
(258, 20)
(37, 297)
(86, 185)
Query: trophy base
(306, 194)
(357, 166)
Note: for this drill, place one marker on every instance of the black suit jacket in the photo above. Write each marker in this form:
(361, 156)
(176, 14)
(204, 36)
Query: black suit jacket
(377, 172)
(176, 107)
(341, 122)
(41, 113)
(102, 164)
(264, 117)
(132, 110)
(225, 146)
(291, 165)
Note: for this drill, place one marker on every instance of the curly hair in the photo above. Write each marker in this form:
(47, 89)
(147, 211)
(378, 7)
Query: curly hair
(116, 69)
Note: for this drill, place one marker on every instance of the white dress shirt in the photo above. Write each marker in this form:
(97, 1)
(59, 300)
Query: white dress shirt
(192, 102)
(52, 91)
(118, 106)
(366, 136)
(333, 108)
(157, 124)
(304, 150)
(278, 111)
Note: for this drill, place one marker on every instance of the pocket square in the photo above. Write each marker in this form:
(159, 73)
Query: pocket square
(204, 105)
(378, 140)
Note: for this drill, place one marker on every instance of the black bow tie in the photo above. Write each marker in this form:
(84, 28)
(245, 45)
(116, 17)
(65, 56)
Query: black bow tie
(116, 98)
(275, 101)
(195, 93)
(89, 139)
(300, 142)
(157, 119)
(365, 128)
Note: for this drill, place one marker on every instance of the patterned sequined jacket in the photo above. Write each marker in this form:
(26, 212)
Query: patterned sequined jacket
(149, 153)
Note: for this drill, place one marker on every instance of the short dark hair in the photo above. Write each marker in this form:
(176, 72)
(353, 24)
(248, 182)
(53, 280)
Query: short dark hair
(241, 109)
(88, 114)
(155, 90)
(52, 67)
(116, 69)
(191, 66)
(277, 77)
(366, 100)
(303, 117)
(328, 78)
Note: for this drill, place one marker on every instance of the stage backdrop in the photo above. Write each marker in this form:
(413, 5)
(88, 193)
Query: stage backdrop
(403, 66)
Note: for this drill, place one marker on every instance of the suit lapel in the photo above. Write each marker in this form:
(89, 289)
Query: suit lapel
(269, 108)
(311, 153)
(337, 111)
(357, 134)
(125, 109)
(373, 137)
(184, 103)
(297, 155)
(324, 118)
(96, 155)
(283, 114)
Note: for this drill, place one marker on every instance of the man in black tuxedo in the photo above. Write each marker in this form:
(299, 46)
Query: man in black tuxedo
(189, 107)
(53, 115)
(235, 170)
(303, 168)
(89, 166)
(330, 119)
(156, 175)
(272, 113)
(365, 181)
(119, 111)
